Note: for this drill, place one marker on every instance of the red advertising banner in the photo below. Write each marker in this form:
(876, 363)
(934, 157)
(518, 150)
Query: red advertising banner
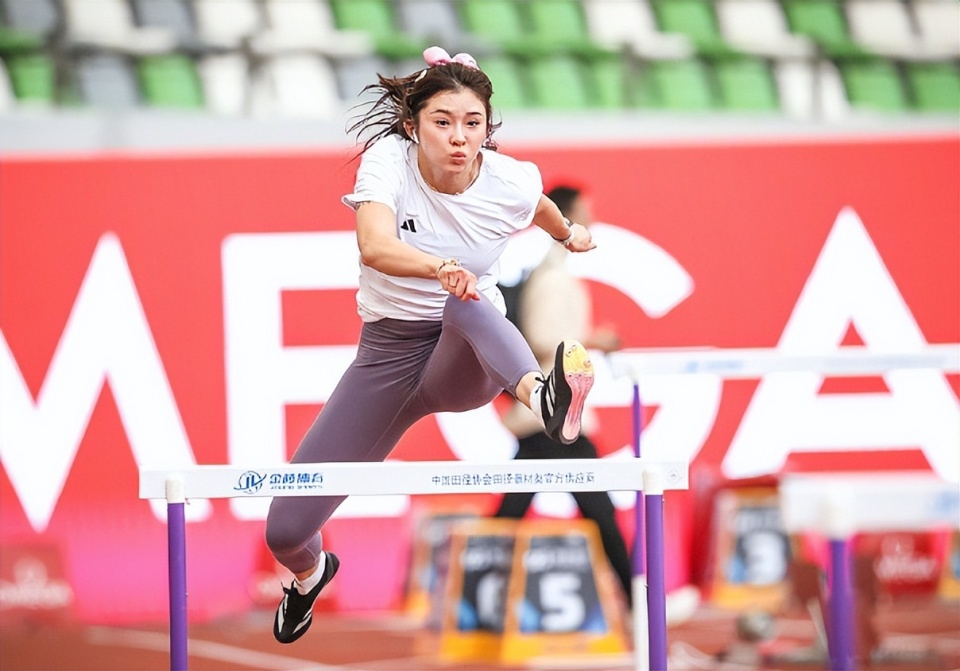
(157, 311)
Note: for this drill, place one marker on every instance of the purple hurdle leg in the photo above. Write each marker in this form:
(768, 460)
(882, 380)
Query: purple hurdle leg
(656, 591)
(177, 558)
(639, 564)
(841, 635)
(639, 554)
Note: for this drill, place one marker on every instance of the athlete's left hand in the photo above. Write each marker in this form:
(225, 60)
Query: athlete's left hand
(459, 281)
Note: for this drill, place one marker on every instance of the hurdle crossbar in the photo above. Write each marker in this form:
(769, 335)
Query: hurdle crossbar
(179, 485)
(749, 363)
(412, 477)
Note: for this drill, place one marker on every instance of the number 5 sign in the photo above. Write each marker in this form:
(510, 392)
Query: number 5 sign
(550, 598)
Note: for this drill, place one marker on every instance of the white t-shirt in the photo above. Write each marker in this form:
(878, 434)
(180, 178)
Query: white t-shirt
(472, 227)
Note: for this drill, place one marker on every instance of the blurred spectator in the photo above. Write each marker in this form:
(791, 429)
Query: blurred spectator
(552, 304)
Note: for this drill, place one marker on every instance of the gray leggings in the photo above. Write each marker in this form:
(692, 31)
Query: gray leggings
(404, 370)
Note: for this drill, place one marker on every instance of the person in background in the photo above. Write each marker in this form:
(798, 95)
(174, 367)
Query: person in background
(435, 205)
(551, 303)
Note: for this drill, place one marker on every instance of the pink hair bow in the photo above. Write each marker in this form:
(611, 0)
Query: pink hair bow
(439, 56)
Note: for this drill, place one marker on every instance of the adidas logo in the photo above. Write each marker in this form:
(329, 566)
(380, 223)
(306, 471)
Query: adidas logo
(408, 225)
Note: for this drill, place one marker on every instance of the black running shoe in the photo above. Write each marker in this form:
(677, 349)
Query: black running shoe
(564, 391)
(295, 612)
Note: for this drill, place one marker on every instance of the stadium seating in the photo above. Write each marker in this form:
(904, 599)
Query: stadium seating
(939, 24)
(935, 87)
(227, 23)
(824, 22)
(800, 58)
(295, 85)
(885, 28)
(307, 26)
(500, 22)
(510, 90)
(7, 98)
(39, 17)
(746, 85)
(170, 80)
(377, 18)
(811, 90)
(609, 83)
(760, 27)
(437, 22)
(679, 86)
(547, 73)
(32, 79)
(109, 25)
(106, 80)
(174, 16)
(631, 24)
(226, 84)
(697, 19)
(874, 84)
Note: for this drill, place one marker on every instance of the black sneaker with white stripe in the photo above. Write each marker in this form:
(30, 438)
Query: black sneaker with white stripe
(295, 613)
(564, 391)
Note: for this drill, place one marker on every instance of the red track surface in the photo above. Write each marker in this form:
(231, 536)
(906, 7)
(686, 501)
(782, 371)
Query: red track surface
(921, 636)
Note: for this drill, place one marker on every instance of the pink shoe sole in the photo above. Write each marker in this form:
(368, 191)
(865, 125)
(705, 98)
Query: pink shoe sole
(578, 372)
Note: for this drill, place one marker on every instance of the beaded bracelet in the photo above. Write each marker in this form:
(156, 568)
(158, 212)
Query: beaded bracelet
(446, 262)
(567, 240)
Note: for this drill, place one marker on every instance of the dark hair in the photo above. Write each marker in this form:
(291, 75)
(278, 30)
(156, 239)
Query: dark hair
(564, 196)
(401, 98)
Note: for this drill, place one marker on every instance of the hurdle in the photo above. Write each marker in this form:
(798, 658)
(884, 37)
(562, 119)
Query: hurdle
(177, 486)
(648, 478)
(840, 505)
(931, 500)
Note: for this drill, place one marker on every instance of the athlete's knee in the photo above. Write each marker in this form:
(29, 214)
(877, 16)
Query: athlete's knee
(457, 311)
(285, 534)
(454, 308)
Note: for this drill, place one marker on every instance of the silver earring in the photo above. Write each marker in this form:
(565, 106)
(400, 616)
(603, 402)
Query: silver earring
(415, 139)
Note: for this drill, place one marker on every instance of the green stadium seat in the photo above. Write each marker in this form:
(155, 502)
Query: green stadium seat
(682, 85)
(510, 91)
(823, 21)
(376, 17)
(873, 84)
(608, 78)
(746, 85)
(32, 78)
(438, 22)
(558, 83)
(18, 41)
(561, 20)
(170, 81)
(561, 24)
(935, 87)
(502, 23)
(697, 20)
(642, 90)
(497, 20)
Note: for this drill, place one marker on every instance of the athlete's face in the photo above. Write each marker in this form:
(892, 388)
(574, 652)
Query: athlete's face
(452, 127)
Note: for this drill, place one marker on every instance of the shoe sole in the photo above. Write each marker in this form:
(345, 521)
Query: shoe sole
(578, 373)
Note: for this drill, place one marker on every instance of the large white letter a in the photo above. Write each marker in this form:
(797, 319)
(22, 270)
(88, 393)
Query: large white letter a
(849, 284)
